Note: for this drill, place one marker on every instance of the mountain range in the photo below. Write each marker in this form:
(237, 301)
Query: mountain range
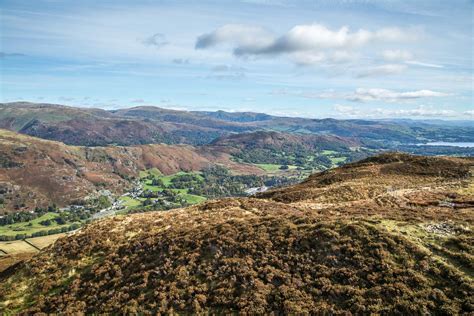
(148, 124)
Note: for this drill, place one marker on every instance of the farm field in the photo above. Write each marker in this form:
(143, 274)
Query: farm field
(44, 241)
(336, 158)
(22, 246)
(32, 226)
(129, 202)
(14, 251)
(15, 247)
(274, 168)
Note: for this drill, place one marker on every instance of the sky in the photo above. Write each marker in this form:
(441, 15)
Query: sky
(318, 58)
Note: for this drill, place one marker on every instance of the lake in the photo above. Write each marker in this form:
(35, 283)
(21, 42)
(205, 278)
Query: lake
(453, 144)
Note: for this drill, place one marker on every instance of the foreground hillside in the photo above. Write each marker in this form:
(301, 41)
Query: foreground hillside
(394, 185)
(391, 234)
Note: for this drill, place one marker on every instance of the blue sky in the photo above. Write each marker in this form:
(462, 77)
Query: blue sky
(320, 58)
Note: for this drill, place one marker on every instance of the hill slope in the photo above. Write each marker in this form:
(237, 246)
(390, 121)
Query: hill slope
(399, 240)
(398, 185)
(36, 172)
(282, 141)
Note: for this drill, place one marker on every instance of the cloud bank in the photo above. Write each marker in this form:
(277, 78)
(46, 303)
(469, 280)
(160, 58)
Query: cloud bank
(308, 43)
(420, 111)
(367, 95)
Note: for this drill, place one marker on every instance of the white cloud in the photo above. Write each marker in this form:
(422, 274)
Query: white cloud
(244, 37)
(181, 61)
(421, 111)
(304, 58)
(5, 55)
(313, 58)
(157, 40)
(66, 99)
(383, 70)
(315, 37)
(364, 95)
(342, 56)
(225, 72)
(346, 110)
(469, 113)
(419, 63)
(305, 44)
(395, 34)
(396, 55)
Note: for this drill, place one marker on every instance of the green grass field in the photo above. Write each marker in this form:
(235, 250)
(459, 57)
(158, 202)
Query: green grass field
(328, 152)
(130, 203)
(273, 168)
(193, 199)
(154, 171)
(32, 226)
(337, 160)
(147, 186)
(167, 179)
(268, 167)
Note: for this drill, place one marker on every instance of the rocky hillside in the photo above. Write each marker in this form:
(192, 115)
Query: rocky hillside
(388, 235)
(36, 172)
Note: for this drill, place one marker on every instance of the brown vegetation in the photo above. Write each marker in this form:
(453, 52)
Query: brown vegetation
(397, 185)
(262, 139)
(398, 242)
(36, 172)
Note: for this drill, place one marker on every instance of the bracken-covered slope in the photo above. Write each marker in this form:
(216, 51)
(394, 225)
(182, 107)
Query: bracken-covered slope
(391, 234)
(36, 172)
(282, 141)
(392, 183)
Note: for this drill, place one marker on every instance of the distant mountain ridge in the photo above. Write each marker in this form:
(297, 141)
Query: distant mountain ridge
(148, 124)
(236, 116)
(279, 140)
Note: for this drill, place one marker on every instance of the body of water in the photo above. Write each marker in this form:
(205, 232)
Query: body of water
(453, 144)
